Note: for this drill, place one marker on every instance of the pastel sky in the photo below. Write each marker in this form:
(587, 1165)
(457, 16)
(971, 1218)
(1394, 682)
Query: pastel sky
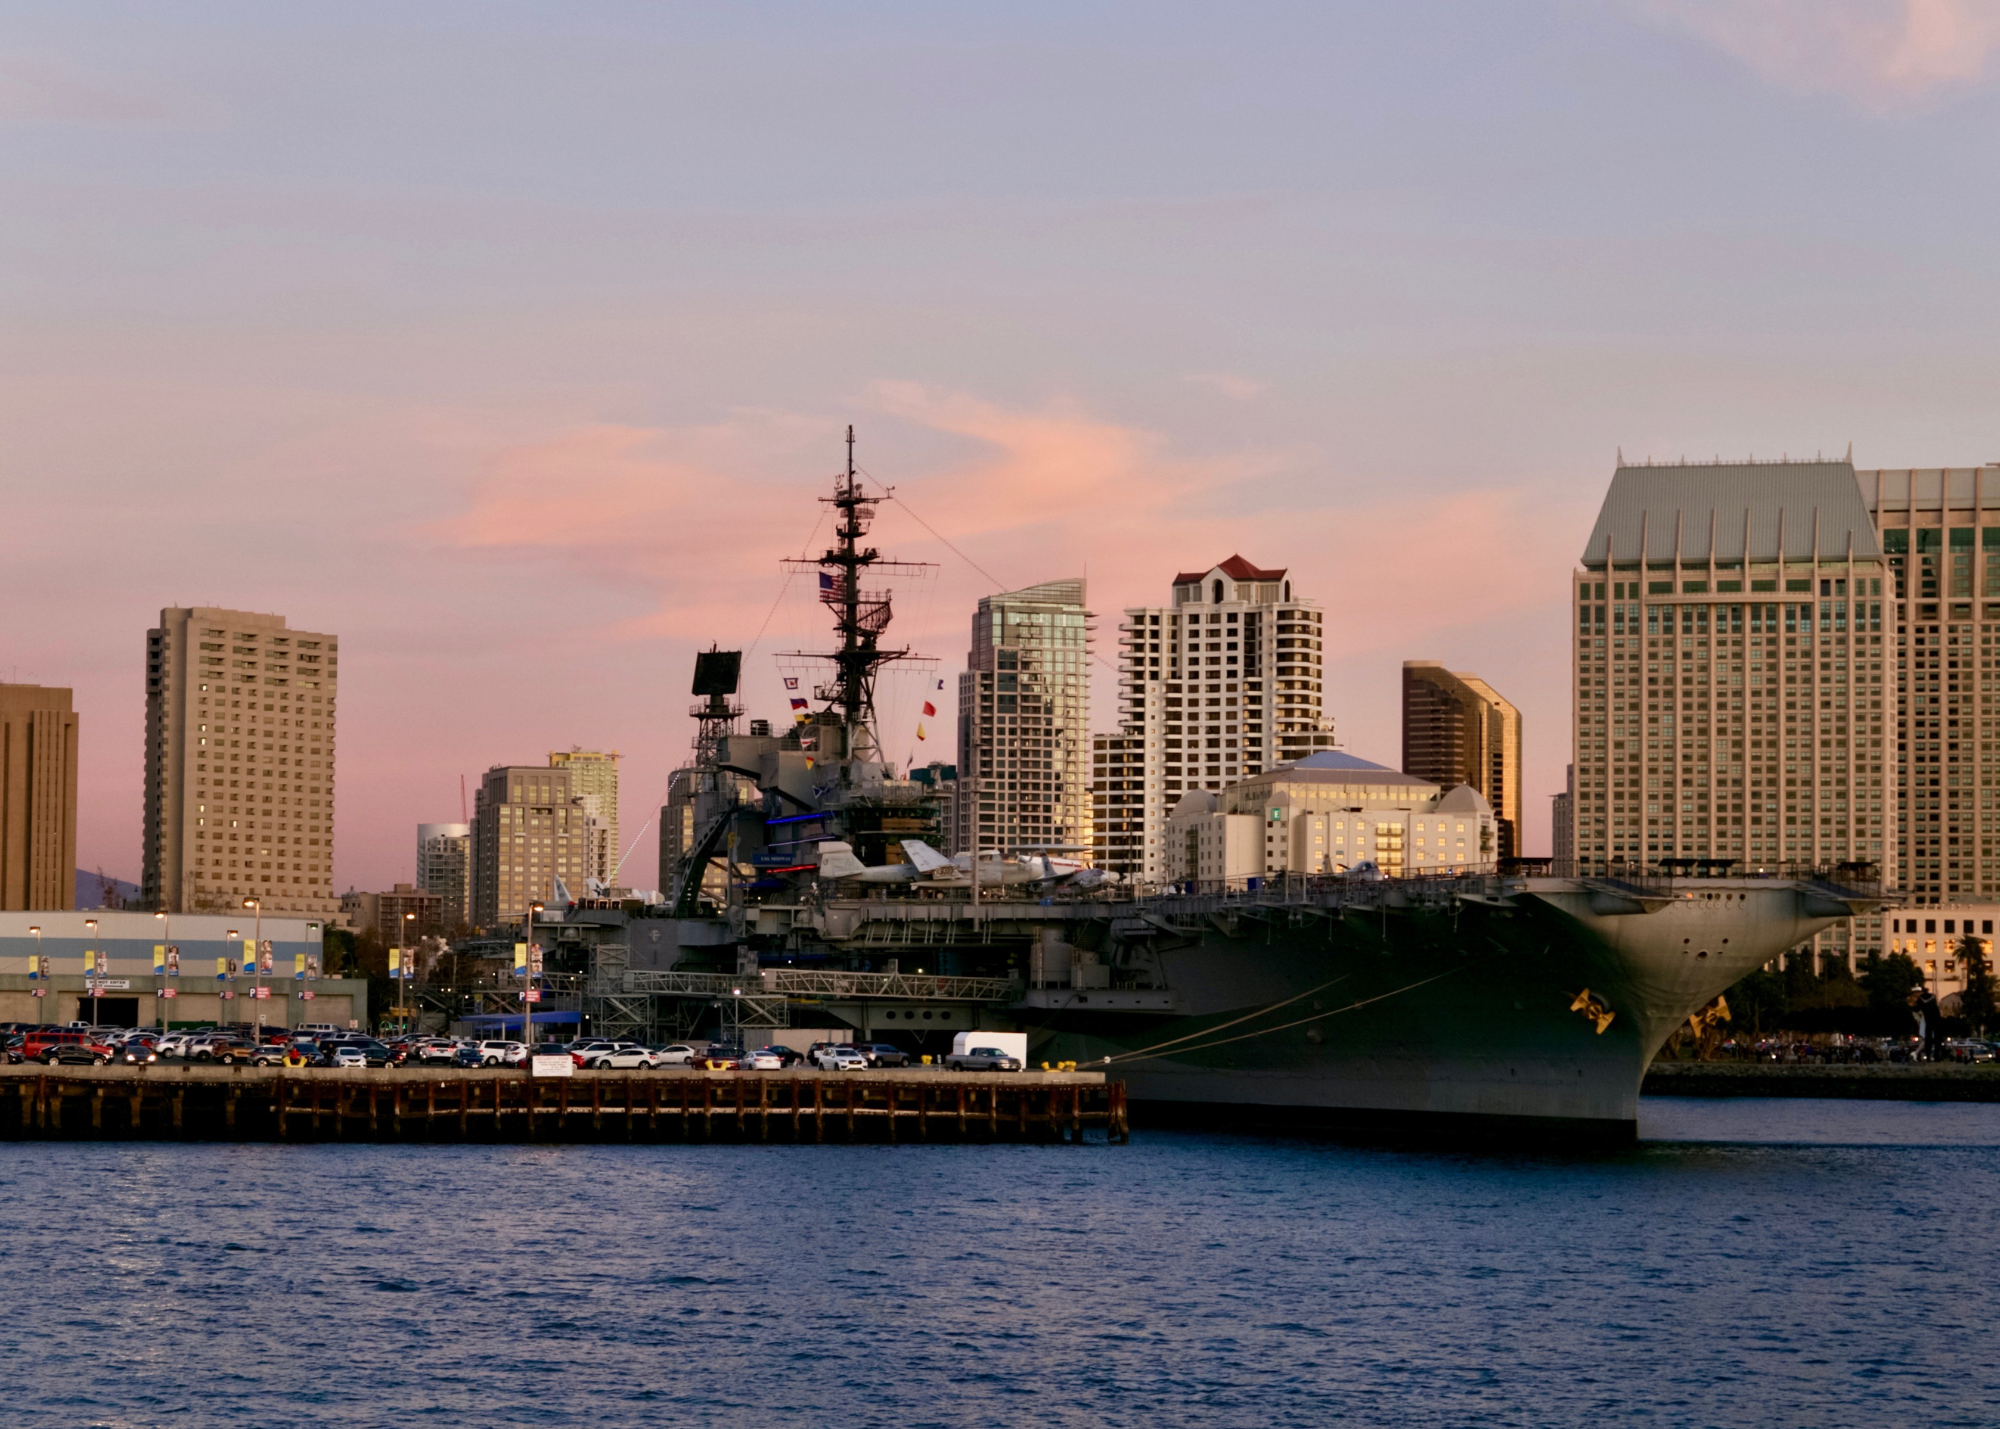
(514, 342)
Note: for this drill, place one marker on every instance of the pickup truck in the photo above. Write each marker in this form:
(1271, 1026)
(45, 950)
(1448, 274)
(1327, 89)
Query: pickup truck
(981, 1059)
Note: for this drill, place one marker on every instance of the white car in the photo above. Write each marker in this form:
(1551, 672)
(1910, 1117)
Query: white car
(502, 1054)
(349, 1057)
(626, 1057)
(678, 1055)
(840, 1059)
(764, 1062)
(172, 1045)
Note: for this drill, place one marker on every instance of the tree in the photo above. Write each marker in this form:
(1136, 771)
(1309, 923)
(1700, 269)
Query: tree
(1975, 1004)
(1888, 982)
(1758, 998)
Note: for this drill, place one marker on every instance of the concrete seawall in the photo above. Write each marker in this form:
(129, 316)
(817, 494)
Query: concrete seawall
(1918, 1082)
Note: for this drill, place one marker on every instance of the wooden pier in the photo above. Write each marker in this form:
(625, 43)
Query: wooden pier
(209, 1103)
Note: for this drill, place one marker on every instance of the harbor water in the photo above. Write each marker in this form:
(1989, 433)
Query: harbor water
(1751, 1262)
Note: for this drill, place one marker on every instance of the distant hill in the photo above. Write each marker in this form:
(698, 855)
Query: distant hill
(91, 891)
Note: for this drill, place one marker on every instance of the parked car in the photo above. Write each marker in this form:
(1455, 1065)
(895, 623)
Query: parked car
(549, 1049)
(35, 1044)
(841, 1058)
(74, 1054)
(580, 1050)
(881, 1054)
(225, 1050)
(501, 1054)
(787, 1056)
(813, 1052)
(437, 1049)
(348, 1055)
(678, 1054)
(762, 1061)
(624, 1057)
(721, 1057)
(982, 1059)
(136, 1054)
(373, 1053)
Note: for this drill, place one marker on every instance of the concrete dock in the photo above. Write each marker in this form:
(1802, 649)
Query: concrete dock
(170, 1101)
(1877, 1081)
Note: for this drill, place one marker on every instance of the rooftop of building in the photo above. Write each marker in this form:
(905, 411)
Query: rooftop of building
(1932, 488)
(1065, 592)
(1333, 766)
(1236, 568)
(1752, 510)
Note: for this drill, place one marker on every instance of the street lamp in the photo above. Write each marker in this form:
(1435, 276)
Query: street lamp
(159, 989)
(96, 961)
(257, 960)
(528, 982)
(402, 983)
(36, 967)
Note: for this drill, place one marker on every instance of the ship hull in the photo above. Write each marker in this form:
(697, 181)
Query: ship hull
(1452, 1021)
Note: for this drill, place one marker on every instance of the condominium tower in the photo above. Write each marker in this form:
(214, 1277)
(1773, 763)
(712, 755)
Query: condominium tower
(1940, 534)
(239, 763)
(1457, 730)
(444, 868)
(1729, 673)
(594, 780)
(38, 733)
(527, 831)
(1024, 722)
(1221, 685)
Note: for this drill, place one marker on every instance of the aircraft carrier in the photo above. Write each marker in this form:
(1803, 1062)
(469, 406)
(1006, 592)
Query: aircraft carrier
(1484, 1007)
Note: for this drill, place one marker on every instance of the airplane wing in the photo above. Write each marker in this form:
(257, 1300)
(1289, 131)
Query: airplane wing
(927, 859)
(837, 860)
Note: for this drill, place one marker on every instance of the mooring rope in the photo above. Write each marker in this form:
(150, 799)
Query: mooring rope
(1266, 1031)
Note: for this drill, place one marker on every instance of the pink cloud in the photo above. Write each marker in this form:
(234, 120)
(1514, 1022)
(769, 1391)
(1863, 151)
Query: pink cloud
(1884, 54)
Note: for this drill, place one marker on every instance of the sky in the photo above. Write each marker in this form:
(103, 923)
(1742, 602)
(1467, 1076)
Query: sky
(514, 343)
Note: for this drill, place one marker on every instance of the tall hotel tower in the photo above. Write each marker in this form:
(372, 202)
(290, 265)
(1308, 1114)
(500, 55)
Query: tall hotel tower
(1024, 722)
(1220, 685)
(239, 763)
(1940, 535)
(1730, 699)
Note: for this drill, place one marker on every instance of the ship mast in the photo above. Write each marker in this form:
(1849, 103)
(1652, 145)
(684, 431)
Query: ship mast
(860, 616)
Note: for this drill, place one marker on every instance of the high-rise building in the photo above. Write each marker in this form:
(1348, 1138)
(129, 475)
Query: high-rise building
(1562, 822)
(594, 780)
(1024, 722)
(1221, 685)
(527, 831)
(942, 780)
(444, 868)
(239, 763)
(1457, 730)
(38, 732)
(1940, 534)
(1118, 802)
(1729, 692)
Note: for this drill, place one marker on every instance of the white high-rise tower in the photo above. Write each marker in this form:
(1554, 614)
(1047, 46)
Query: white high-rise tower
(1220, 685)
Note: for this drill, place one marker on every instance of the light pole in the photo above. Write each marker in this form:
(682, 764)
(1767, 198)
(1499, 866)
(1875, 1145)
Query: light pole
(403, 983)
(36, 969)
(159, 983)
(528, 982)
(228, 991)
(96, 960)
